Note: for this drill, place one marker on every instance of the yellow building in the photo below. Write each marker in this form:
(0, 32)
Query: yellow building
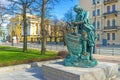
(15, 27)
(33, 28)
(105, 16)
(54, 32)
(57, 33)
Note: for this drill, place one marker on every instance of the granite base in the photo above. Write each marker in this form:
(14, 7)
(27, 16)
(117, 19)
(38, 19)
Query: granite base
(103, 71)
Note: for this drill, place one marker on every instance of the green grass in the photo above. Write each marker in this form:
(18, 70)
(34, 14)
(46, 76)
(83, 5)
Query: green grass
(13, 55)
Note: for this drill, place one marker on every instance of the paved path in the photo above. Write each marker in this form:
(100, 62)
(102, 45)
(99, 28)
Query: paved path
(108, 58)
(28, 74)
(36, 73)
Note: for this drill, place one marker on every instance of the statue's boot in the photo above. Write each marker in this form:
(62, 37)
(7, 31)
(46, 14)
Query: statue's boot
(84, 46)
(91, 53)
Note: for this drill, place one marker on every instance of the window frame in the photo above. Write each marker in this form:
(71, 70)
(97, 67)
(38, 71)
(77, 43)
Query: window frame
(98, 12)
(108, 36)
(113, 8)
(98, 35)
(108, 23)
(108, 9)
(98, 24)
(113, 22)
(113, 36)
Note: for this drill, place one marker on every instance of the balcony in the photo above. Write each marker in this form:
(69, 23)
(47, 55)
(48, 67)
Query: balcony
(111, 13)
(111, 28)
(109, 1)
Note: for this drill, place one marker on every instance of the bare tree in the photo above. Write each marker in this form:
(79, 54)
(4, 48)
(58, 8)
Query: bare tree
(69, 15)
(45, 4)
(2, 18)
(44, 7)
(22, 6)
(43, 27)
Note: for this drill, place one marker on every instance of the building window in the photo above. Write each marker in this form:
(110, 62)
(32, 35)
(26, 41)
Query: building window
(36, 29)
(98, 37)
(113, 22)
(98, 1)
(94, 24)
(113, 36)
(98, 12)
(108, 36)
(105, 0)
(108, 23)
(98, 24)
(94, 1)
(108, 9)
(94, 13)
(113, 8)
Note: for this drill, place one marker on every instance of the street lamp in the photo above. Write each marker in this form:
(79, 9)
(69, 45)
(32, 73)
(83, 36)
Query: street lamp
(12, 35)
(95, 24)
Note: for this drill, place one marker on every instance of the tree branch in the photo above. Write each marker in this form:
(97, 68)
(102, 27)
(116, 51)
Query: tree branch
(16, 2)
(29, 3)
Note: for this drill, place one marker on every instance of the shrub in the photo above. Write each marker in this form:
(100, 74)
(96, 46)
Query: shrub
(62, 54)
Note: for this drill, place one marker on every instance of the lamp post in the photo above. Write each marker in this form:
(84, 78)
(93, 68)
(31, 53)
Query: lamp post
(12, 36)
(13, 33)
(95, 24)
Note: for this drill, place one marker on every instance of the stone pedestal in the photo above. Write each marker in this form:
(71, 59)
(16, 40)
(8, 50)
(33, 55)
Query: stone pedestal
(103, 71)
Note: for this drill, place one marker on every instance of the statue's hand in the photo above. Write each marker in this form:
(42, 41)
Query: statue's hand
(85, 21)
(78, 23)
(73, 23)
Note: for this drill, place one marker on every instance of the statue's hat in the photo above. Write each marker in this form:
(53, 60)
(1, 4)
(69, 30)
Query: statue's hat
(77, 7)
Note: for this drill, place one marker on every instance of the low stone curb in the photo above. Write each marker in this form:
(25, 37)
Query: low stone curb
(26, 66)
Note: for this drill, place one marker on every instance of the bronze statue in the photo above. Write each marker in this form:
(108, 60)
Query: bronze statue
(83, 40)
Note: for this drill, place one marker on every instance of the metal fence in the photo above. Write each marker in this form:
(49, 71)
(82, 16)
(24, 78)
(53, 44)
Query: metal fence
(108, 50)
(49, 46)
(102, 50)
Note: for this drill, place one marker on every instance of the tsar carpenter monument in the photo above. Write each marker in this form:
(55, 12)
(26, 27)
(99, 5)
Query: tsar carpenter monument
(80, 63)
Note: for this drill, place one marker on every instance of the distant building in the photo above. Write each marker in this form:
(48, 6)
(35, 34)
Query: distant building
(105, 16)
(57, 31)
(15, 29)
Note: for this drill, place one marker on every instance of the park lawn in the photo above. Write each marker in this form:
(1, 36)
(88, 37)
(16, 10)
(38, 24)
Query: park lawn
(12, 56)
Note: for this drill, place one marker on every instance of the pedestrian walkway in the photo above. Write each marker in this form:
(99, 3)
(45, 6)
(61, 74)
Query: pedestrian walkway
(108, 58)
(28, 74)
(36, 72)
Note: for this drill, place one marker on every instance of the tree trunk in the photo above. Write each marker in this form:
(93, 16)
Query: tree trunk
(43, 47)
(24, 29)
